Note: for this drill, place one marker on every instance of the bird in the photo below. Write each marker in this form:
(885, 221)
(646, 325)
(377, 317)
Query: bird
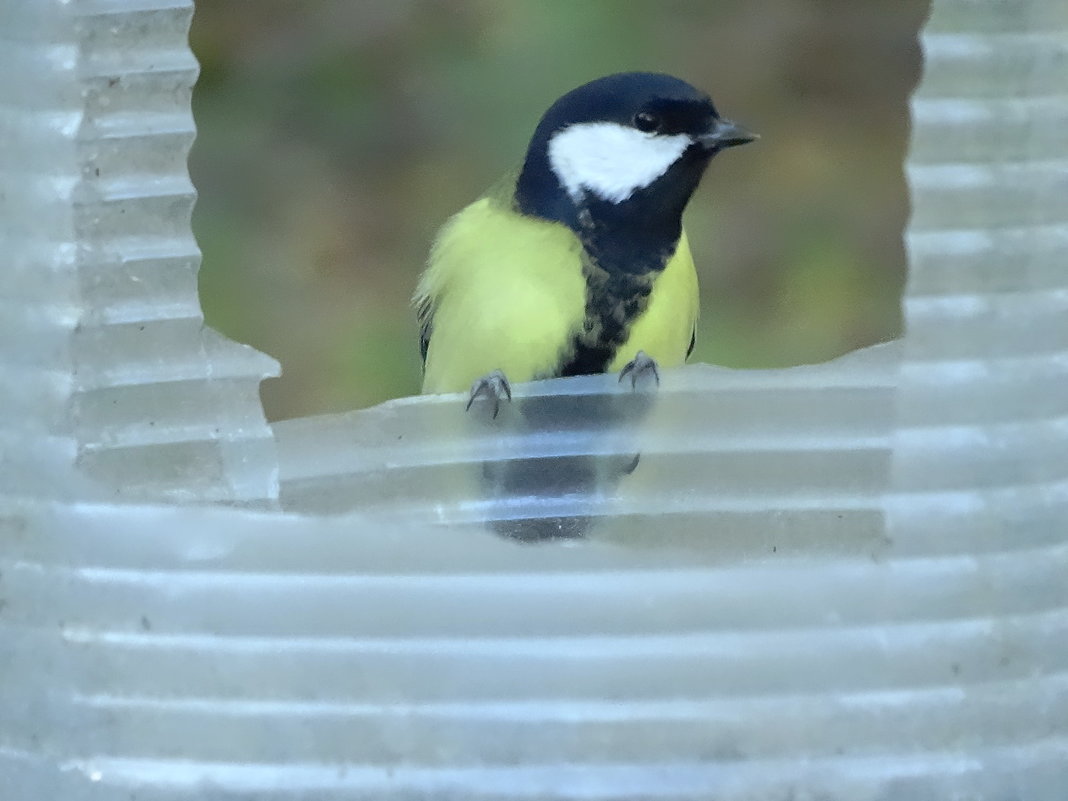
(576, 262)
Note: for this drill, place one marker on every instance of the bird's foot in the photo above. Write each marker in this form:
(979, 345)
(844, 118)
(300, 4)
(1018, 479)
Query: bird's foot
(494, 386)
(641, 365)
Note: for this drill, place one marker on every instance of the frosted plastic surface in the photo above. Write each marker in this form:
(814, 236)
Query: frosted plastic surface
(111, 385)
(981, 448)
(272, 656)
(729, 462)
(844, 582)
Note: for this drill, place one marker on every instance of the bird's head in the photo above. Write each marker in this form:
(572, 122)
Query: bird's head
(636, 138)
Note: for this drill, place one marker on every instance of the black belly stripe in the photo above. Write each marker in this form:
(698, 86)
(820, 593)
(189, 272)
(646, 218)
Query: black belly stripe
(613, 303)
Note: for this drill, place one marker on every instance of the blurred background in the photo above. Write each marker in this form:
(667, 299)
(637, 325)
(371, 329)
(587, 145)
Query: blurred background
(336, 136)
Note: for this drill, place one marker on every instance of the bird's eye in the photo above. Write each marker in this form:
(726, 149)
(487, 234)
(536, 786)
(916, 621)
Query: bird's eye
(646, 122)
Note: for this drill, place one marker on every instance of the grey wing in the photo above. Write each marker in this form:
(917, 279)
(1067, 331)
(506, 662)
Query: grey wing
(425, 315)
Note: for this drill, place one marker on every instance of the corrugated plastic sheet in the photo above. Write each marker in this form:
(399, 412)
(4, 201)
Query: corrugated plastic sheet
(840, 582)
(103, 342)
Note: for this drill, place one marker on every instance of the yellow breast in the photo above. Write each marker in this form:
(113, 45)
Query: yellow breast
(508, 292)
(664, 330)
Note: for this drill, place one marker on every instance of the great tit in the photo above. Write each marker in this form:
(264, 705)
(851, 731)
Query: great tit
(577, 262)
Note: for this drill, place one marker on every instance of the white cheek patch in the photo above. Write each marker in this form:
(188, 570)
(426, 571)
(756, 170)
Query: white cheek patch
(611, 160)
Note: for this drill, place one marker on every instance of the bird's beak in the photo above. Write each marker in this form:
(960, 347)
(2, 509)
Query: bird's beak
(725, 133)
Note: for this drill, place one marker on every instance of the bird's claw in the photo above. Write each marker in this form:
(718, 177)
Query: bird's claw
(493, 385)
(642, 364)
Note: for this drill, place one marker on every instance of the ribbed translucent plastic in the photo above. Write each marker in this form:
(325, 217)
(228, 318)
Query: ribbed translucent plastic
(844, 582)
(110, 379)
